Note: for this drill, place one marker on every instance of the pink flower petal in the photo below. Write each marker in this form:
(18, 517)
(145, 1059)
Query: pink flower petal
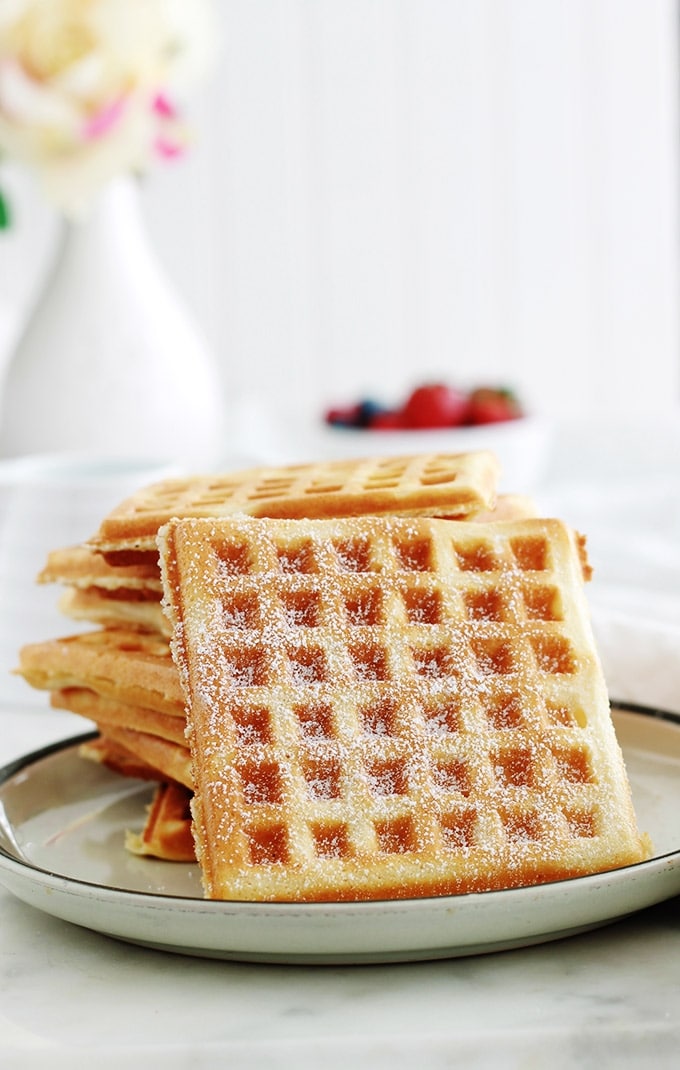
(102, 121)
(162, 105)
(169, 150)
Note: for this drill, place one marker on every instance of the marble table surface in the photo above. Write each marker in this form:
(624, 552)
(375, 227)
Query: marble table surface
(608, 998)
(73, 998)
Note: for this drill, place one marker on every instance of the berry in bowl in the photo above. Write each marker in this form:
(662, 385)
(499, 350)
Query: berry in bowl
(442, 417)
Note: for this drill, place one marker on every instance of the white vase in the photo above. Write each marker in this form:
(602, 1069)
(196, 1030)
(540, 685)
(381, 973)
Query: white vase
(110, 361)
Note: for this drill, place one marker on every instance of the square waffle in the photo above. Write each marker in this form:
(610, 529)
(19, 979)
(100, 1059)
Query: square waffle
(443, 484)
(390, 707)
(121, 664)
(109, 712)
(101, 594)
(83, 568)
(161, 758)
(167, 830)
(115, 609)
(103, 751)
(130, 596)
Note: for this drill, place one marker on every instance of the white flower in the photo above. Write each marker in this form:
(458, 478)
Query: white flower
(87, 87)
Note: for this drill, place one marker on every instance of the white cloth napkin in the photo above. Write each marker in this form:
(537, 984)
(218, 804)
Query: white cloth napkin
(631, 520)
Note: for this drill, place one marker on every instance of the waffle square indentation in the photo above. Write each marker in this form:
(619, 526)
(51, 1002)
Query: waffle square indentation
(452, 775)
(573, 765)
(354, 555)
(378, 718)
(370, 662)
(485, 605)
(268, 844)
(252, 724)
(214, 494)
(241, 610)
(458, 829)
(476, 557)
(234, 558)
(438, 472)
(422, 606)
(246, 666)
(523, 828)
(364, 607)
(396, 836)
(531, 552)
(504, 712)
(324, 486)
(414, 555)
(582, 823)
(387, 777)
(553, 654)
(565, 716)
(315, 720)
(308, 665)
(434, 663)
(442, 716)
(300, 558)
(543, 603)
(494, 656)
(322, 777)
(389, 471)
(514, 768)
(301, 609)
(261, 782)
(331, 840)
(269, 488)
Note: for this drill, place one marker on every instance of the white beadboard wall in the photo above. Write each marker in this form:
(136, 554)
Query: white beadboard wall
(383, 191)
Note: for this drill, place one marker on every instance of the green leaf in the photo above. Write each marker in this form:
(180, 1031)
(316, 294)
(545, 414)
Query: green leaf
(5, 218)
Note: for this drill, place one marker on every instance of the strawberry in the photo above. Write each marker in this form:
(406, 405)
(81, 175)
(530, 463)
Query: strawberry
(389, 420)
(492, 405)
(434, 405)
(347, 416)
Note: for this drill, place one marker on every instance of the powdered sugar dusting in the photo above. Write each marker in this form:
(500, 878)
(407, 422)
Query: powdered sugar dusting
(383, 699)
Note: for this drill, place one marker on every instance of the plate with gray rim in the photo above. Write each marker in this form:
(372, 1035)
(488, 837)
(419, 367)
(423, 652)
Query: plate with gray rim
(62, 825)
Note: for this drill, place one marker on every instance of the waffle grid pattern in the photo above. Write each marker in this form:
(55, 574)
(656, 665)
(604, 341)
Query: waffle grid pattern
(128, 666)
(398, 690)
(455, 484)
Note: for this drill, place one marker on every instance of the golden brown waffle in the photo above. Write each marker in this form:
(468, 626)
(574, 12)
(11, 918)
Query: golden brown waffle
(167, 829)
(170, 760)
(81, 566)
(130, 597)
(387, 707)
(115, 609)
(108, 711)
(129, 666)
(445, 484)
(115, 757)
(111, 597)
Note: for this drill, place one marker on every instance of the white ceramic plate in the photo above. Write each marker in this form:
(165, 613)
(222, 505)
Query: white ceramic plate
(62, 822)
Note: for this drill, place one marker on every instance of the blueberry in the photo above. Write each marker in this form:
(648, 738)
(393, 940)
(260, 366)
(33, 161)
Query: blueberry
(367, 410)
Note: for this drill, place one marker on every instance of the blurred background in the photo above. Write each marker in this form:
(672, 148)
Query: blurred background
(379, 192)
(375, 194)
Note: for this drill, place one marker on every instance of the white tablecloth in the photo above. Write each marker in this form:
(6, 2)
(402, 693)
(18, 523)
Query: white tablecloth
(621, 488)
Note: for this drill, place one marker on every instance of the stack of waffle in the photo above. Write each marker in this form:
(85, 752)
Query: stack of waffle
(368, 678)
